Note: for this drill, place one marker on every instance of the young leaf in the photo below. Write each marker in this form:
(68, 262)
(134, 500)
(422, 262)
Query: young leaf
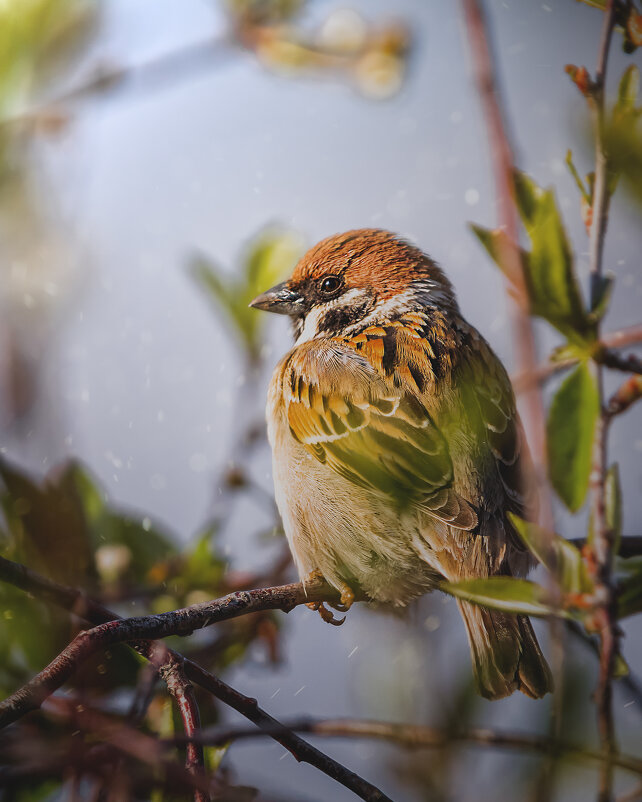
(549, 273)
(570, 428)
(559, 556)
(504, 593)
(528, 196)
(554, 286)
(627, 94)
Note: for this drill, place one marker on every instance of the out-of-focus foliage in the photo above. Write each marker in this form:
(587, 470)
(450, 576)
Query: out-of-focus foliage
(372, 56)
(554, 295)
(624, 135)
(552, 285)
(37, 38)
(561, 558)
(65, 528)
(269, 258)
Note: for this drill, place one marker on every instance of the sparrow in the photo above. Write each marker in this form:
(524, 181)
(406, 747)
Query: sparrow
(397, 446)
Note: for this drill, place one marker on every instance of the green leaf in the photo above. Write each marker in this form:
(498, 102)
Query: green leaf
(48, 521)
(570, 429)
(613, 499)
(528, 196)
(627, 93)
(578, 181)
(561, 558)
(495, 241)
(624, 148)
(551, 276)
(270, 257)
(549, 273)
(505, 593)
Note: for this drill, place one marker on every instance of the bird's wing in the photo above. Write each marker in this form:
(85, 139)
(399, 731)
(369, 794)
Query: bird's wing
(499, 424)
(372, 430)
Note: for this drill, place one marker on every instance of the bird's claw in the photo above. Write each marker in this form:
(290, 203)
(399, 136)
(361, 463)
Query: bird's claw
(326, 614)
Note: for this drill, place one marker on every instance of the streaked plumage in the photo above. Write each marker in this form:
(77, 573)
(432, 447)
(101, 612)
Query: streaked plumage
(396, 442)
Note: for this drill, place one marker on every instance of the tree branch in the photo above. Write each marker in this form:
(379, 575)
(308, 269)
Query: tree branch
(75, 601)
(503, 167)
(415, 737)
(172, 670)
(624, 397)
(603, 536)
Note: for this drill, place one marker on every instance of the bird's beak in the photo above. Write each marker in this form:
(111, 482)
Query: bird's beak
(280, 299)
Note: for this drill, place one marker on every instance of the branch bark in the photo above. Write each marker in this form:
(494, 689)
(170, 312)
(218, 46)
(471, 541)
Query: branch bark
(417, 737)
(602, 535)
(80, 604)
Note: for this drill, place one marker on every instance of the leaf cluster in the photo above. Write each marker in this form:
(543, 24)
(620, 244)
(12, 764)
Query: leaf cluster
(269, 258)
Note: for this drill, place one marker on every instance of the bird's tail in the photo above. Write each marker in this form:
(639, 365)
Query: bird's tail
(505, 652)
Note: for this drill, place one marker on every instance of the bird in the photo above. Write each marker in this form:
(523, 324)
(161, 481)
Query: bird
(398, 452)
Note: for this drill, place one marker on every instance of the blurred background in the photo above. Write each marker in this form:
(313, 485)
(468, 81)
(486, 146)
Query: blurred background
(159, 163)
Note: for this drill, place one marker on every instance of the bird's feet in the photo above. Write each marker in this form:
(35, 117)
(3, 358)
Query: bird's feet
(347, 598)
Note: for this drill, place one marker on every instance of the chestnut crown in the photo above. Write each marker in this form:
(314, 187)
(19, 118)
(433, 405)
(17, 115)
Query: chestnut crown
(362, 277)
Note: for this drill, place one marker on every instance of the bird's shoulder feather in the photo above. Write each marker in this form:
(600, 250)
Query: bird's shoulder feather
(355, 403)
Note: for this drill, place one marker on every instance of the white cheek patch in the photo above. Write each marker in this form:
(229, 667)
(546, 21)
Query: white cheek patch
(311, 324)
(314, 317)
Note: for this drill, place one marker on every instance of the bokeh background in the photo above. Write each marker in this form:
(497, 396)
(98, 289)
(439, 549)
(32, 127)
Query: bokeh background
(115, 353)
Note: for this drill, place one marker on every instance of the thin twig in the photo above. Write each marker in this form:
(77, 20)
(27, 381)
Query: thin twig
(160, 70)
(172, 670)
(622, 338)
(630, 363)
(625, 396)
(75, 601)
(603, 536)
(503, 167)
(415, 736)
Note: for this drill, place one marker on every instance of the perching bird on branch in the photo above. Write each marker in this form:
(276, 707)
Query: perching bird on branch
(396, 444)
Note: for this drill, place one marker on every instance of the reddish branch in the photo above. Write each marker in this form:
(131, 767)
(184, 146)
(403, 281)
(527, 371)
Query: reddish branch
(78, 603)
(625, 396)
(603, 537)
(621, 339)
(172, 670)
(503, 166)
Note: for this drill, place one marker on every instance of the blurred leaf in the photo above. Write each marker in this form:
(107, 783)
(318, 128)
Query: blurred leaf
(203, 568)
(263, 12)
(586, 194)
(570, 429)
(270, 257)
(560, 557)
(549, 273)
(48, 524)
(35, 35)
(551, 279)
(628, 89)
(495, 241)
(613, 502)
(214, 756)
(528, 196)
(506, 593)
(624, 147)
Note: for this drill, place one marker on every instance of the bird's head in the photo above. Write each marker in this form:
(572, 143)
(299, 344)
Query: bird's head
(356, 279)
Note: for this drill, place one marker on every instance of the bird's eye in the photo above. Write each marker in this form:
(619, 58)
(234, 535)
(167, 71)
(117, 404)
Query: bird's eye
(329, 285)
